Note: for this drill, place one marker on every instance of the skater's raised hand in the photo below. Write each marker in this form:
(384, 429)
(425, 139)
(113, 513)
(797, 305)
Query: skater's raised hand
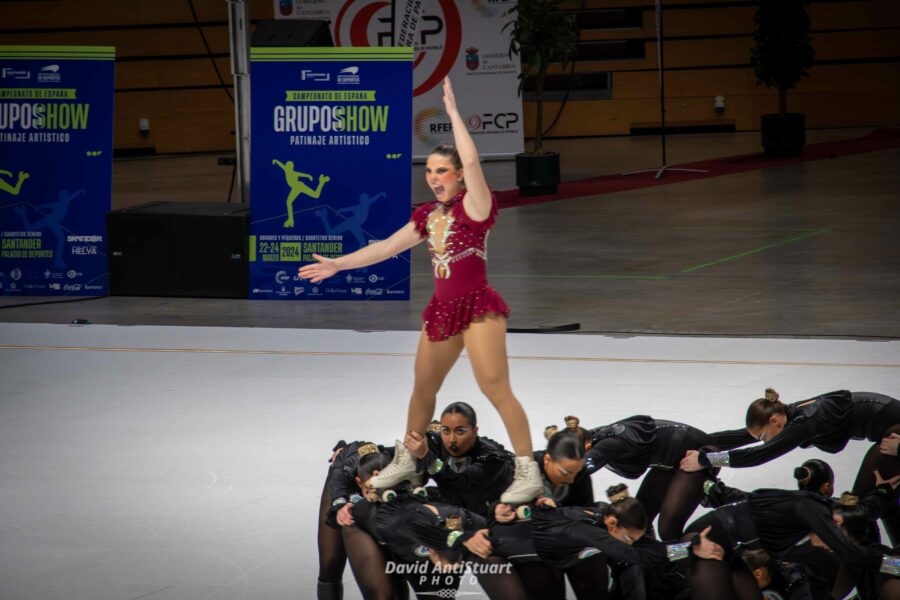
(691, 461)
(415, 443)
(449, 98)
(479, 544)
(344, 516)
(504, 513)
(317, 271)
(889, 445)
(707, 548)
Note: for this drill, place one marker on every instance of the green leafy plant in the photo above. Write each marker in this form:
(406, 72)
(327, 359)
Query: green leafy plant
(782, 50)
(542, 34)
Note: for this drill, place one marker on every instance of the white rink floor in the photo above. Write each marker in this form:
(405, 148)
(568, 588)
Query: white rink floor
(187, 463)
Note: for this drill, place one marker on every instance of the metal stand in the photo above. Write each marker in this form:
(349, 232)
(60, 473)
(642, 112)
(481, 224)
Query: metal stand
(239, 30)
(662, 103)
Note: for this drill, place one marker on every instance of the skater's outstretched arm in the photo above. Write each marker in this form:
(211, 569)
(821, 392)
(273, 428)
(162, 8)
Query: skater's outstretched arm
(275, 161)
(478, 201)
(403, 239)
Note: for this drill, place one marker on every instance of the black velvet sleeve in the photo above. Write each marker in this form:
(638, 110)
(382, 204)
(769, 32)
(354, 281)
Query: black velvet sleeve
(601, 452)
(731, 439)
(818, 517)
(791, 437)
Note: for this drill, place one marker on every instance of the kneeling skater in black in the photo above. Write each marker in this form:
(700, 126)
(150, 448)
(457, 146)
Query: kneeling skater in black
(826, 422)
(338, 537)
(569, 537)
(783, 523)
(632, 446)
(427, 541)
(470, 470)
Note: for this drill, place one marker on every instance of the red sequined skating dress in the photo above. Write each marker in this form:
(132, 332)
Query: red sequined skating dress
(458, 247)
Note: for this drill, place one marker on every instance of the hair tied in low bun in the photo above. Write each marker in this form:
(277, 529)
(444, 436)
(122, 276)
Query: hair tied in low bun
(802, 474)
(617, 493)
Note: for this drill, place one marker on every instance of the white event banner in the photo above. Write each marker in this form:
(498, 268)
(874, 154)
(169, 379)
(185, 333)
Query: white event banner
(462, 40)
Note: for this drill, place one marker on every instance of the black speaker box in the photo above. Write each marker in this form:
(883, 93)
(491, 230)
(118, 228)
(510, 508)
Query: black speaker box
(292, 33)
(191, 249)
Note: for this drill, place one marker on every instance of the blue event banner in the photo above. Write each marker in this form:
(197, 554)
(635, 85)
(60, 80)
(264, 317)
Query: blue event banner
(56, 134)
(330, 164)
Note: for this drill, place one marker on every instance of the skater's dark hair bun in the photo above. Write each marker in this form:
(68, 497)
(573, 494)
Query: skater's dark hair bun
(566, 444)
(813, 474)
(448, 151)
(463, 409)
(370, 463)
(761, 410)
(617, 493)
(550, 431)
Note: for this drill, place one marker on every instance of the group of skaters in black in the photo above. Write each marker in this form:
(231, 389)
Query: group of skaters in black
(447, 524)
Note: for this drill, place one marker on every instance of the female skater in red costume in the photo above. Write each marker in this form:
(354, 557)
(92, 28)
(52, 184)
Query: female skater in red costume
(464, 311)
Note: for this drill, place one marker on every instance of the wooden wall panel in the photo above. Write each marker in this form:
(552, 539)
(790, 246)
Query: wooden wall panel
(171, 73)
(52, 14)
(133, 43)
(854, 14)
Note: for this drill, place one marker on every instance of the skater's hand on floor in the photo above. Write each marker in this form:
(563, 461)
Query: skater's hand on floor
(707, 548)
(691, 462)
(504, 513)
(318, 271)
(415, 443)
(478, 544)
(889, 444)
(345, 516)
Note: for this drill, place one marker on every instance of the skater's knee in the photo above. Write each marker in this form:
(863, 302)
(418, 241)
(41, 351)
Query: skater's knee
(670, 529)
(495, 387)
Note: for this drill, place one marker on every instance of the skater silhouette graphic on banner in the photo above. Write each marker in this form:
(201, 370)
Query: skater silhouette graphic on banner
(12, 188)
(354, 218)
(292, 178)
(52, 221)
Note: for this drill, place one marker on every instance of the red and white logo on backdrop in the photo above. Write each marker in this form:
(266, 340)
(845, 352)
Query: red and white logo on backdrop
(438, 36)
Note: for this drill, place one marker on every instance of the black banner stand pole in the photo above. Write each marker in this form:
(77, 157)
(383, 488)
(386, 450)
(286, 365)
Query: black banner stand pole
(662, 103)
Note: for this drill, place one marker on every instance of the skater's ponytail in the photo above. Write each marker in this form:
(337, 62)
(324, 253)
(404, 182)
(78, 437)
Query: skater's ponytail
(761, 410)
(628, 511)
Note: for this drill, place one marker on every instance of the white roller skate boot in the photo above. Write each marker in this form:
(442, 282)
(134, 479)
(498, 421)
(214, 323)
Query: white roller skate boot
(527, 483)
(402, 468)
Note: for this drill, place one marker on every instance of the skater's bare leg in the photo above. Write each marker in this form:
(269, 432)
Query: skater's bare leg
(433, 361)
(485, 341)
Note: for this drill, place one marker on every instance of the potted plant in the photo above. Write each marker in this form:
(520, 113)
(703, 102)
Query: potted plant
(541, 33)
(781, 55)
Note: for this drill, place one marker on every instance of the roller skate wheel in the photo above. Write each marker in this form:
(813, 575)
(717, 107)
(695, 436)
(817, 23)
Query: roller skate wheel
(420, 492)
(523, 513)
(388, 496)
